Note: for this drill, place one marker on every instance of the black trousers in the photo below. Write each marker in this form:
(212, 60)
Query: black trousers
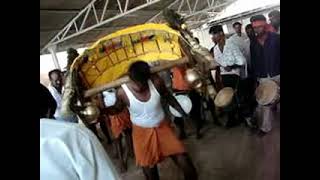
(246, 97)
(230, 80)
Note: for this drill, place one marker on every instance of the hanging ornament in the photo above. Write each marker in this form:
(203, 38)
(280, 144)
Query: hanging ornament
(102, 49)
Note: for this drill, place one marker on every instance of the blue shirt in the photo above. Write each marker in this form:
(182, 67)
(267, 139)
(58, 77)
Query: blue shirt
(265, 58)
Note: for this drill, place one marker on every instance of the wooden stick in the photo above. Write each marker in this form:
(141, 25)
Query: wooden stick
(163, 66)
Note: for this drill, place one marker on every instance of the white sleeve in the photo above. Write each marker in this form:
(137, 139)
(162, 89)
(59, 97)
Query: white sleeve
(56, 98)
(93, 162)
(232, 55)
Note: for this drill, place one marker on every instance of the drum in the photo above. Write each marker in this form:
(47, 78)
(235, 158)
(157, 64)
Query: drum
(224, 97)
(268, 93)
(185, 103)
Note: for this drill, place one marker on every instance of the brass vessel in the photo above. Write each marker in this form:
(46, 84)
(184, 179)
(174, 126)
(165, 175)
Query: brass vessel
(91, 112)
(193, 78)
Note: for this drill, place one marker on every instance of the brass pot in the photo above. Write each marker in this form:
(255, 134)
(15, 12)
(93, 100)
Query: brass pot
(91, 112)
(193, 78)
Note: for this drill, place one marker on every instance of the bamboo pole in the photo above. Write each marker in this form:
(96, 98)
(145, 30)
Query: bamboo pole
(162, 66)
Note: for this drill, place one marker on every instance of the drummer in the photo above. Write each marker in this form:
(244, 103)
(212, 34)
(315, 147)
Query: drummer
(265, 57)
(180, 86)
(120, 126)
(153, 138)
(231, 59)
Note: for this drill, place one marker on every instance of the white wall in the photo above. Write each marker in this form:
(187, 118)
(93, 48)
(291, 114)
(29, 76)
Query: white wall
(46, 64)
(204, 37)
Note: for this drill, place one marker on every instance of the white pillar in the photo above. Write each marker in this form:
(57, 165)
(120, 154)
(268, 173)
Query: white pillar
(52, 50)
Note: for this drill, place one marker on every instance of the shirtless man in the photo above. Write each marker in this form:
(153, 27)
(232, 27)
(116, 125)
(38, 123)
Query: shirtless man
(153, 138)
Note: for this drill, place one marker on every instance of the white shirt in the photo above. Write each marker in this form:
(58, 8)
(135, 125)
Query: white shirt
(58, 97)
(69, 151)
(231, 55)
(243, 42)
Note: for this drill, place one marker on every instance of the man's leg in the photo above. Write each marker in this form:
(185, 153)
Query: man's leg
(212, 109)
(105, 131)
(264, 117)
(120, 153)
(128, 133)
(151, 173)
(179, 122)
(184, 162)
(195, 113)
(232, 81)
(244, 91)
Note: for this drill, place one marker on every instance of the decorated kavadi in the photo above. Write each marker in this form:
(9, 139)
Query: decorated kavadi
(110, 57)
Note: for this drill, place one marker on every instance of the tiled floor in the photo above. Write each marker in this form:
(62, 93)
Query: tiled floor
(223, 154)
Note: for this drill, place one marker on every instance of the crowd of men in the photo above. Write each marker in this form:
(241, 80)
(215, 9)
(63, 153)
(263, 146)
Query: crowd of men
(138, 110)
(246, 60)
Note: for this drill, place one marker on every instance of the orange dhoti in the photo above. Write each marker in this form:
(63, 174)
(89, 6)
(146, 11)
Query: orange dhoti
(120, 122)
(152, 145)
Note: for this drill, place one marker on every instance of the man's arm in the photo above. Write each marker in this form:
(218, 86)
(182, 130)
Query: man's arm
(164, 92)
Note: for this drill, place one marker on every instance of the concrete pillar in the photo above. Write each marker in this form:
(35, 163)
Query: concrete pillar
(52, 50)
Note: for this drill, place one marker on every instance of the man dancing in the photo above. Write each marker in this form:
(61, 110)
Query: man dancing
(153, 138)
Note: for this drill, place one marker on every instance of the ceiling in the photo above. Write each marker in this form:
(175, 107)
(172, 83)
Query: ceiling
(57, 14)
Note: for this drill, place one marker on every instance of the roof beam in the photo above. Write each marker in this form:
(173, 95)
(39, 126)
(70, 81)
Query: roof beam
(244, 14)
(209, 8)
(65, 34)
(192, 12)
(59, 11)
